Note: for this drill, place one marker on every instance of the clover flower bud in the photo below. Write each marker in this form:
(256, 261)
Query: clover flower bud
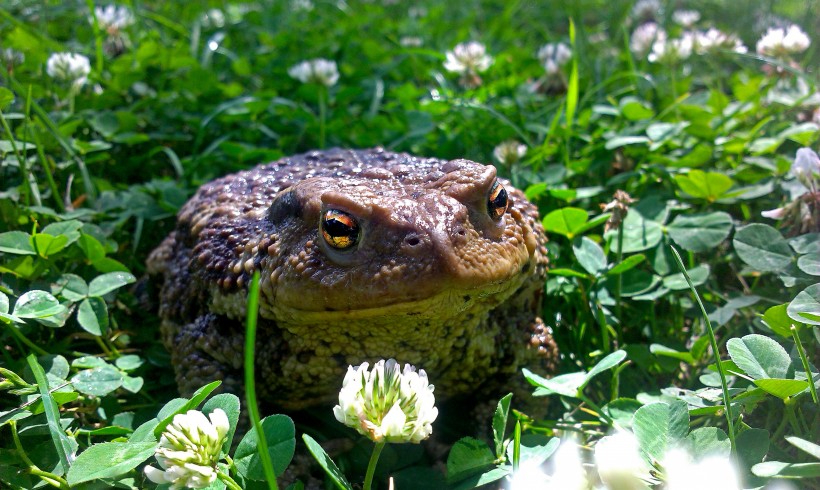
(509, 152)
(686, 18)
(714, 40)
(468, 57)
(644, 37)
(672, 50)
(387, 404)
(113, 18)
(806, 168)
(553, 56)
(189, 450)
(320, 71)
(69, 67)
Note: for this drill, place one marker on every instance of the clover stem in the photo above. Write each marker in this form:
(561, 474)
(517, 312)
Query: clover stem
(227, 480)
(371, 466)
(33, 469)
(322, 115)
(802, 354)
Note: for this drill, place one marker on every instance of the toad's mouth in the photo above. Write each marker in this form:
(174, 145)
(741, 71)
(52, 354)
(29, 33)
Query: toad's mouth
(448, 302)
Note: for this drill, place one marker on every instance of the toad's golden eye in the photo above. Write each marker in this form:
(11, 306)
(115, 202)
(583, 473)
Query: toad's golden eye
(497, 202)
(339, 229)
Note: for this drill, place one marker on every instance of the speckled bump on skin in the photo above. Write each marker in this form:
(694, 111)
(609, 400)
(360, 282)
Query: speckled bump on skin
(432, 278)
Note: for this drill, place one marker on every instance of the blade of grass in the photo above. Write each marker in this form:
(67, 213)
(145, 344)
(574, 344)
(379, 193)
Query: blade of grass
(802, 354)
(98, 37)
(58, 436)
(250, 382)
(713, 341)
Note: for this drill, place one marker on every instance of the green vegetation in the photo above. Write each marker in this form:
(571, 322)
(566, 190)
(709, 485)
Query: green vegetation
(675, 172)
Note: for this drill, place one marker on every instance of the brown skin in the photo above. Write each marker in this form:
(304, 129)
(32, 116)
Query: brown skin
(429, 276)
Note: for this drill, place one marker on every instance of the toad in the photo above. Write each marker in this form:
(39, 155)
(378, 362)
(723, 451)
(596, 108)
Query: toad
(362, 255)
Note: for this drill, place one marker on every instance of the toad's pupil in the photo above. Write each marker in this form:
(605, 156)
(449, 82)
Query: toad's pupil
(497, 203)
(339, 229)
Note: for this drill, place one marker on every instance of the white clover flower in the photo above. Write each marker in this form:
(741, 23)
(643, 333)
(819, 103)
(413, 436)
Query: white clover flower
(527, 477)
(303, 5)
(553, 56)
(806, 168)
(672, 50)
(569, 471)
(646, 9)
(9, 58)
(779, 42)
(387, 404)
(777, 213)
(619, 462)
(686, 18)
(644, 37)
(468, 58)
(321, 71)
(69, 67)
(710, 473)
(509, 152)
(113, 18)
(714, 40)
(213, 18)
(189, 450)
(411, 41)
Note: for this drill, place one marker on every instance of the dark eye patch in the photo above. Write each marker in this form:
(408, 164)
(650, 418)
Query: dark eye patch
(497, 201)
(339, 229)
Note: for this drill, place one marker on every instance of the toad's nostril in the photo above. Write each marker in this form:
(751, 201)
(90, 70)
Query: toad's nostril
(413, 241)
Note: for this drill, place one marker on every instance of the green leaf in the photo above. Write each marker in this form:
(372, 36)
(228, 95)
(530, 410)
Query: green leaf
(91, 247)
(280, 434)
(502, 411)
(182, 405)
(639, 233)
(4, 302)
(6, 98)
(229, 403)
(677, 282)
(58, 436)
(805, 307)
(626, 264)
(109, 460)
(68, 228)
(589, 254)
(779, 469)
(635, 109)
(660, 426)
(710, 186)
(327, 464)
(778, 320)
(106, 283)
(71, 287)
(622, 410)
(37, 304)
(626, 140)
(565, 221)
(468, 457)
(572, 384)
(805, 446)
(17, 243)
(810, 264)
(662, 350)
(98, 381)
(782, 388)
(709, 441)
(752, 446)
(47, 245)
(759, 356)
(92, 315)
(762, 247)
(129, 362)
(567, 273)
(700, 232)
(806, 244)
